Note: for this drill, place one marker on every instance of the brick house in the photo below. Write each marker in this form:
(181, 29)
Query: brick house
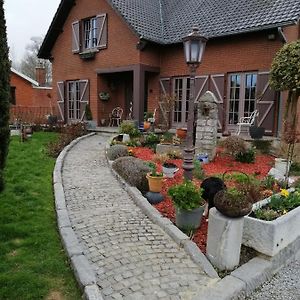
(133, 50)
(30, 99)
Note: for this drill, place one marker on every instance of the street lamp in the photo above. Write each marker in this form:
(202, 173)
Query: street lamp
(194, 45)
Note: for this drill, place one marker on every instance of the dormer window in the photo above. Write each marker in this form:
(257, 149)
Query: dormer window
(89, 34)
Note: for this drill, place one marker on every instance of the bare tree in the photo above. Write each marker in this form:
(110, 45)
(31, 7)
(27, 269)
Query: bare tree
(30, 60)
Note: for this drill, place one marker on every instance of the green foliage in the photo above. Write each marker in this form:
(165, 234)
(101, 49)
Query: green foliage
(148, 115)
(4, 96)
(133, 143)
(88, 113)
(247, 156)
(263, 146)
(198, 172)
(128, 127)
(32, 263)
(268, 182)
(233, 145)
(285, 69)
(279, 205)
(174, 154)
(295, 169)
(117, 151)
(151, 140)
(186, 195)
(167, 137)
(154, 172)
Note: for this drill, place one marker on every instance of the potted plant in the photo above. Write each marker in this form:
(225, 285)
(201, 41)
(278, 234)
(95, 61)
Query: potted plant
(89, 118)
(181, 133)
(155, 179)
(233, 202)
(104, 96)
(256, 132)
(169, 169)
(189, 205)
(147, 120)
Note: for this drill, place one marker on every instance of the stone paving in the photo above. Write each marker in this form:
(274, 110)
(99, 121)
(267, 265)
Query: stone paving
(132, 257)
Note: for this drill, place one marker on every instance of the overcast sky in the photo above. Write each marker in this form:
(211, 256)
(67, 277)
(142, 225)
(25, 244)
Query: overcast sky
(25, 19)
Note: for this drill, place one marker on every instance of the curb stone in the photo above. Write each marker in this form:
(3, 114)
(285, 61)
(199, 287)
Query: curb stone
(82, 269)
(165, 224)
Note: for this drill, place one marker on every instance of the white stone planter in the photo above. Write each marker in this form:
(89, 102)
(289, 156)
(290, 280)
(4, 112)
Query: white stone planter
(281, 164)
(269, 237)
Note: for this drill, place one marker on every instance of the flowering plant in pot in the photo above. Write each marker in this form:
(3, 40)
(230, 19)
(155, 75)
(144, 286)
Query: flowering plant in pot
(189, 204)
(155, 179)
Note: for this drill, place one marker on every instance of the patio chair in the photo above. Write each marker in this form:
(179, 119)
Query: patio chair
(247, 121)
(116, 116)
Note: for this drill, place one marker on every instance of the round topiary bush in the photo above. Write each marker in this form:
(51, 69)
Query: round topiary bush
(133, 171)
(117, 151)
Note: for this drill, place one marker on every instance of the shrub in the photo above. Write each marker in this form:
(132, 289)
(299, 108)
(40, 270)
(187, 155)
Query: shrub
(133, 171)
(160, 158)
(234, 145)
(186, 195)
(151, 140)
(167, 138)
(174, 154)
(263, 146)
(246, 156)
(68, 134)
(117, 151)
(129, 127)
(198, 172)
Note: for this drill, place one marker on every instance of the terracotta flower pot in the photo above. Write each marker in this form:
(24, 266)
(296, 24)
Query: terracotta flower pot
(155, 183)
(181, 133)
(147, 125)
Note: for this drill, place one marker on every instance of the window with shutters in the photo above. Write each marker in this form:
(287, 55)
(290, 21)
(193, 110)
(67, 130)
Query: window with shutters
(90, 34)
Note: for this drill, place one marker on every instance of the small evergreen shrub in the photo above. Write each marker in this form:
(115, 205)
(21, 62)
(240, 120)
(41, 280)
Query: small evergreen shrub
(133, 171)
(263, 146)
(198, 172)
(129, 127)
(151, 140)
(247, 156)
(117, 151)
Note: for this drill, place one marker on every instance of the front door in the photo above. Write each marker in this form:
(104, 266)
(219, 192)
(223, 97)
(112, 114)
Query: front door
(241, 97)
(73, 100)
(181, 90)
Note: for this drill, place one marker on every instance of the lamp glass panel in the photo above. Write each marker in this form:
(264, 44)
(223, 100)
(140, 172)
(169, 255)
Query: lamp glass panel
(194, 51)
(187, 47)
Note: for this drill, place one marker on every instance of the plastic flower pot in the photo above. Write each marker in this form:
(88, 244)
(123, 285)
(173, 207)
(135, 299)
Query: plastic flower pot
(169, 169)
(189, 219)
(155, 183)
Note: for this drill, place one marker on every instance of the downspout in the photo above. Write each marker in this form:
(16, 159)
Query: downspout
(282, 35)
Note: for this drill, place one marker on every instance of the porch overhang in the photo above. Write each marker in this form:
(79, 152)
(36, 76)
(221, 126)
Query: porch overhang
(139, 72)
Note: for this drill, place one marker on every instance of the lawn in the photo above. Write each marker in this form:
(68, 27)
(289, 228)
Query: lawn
(33, 264)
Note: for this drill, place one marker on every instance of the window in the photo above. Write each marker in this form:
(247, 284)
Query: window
(89, 34)
(242, 95)
(90, 31)
(13, 95)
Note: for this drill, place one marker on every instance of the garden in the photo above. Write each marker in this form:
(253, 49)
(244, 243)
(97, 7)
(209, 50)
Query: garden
(240, 165)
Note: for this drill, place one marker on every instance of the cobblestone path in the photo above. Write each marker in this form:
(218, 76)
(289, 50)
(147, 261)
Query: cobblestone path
(132, 257)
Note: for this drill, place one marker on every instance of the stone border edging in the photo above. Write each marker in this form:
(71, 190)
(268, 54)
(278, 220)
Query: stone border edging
(165, 224)
(83, 271)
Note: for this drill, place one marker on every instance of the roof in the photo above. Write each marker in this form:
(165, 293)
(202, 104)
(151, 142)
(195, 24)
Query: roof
(167, 21)
(33, 82)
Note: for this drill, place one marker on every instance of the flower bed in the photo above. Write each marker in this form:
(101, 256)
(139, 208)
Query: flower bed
(221, 164)
(269, 237)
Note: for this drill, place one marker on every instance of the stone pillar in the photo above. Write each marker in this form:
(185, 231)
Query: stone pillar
(207, 125)
(224, 240)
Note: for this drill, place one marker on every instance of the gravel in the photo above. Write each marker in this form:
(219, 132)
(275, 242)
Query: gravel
(285, 285)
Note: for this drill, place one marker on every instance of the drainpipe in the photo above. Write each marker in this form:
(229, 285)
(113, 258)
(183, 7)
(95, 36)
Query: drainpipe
(282, 35)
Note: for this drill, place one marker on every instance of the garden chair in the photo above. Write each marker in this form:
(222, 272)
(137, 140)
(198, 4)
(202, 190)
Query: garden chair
(247, 121)
(116, 116)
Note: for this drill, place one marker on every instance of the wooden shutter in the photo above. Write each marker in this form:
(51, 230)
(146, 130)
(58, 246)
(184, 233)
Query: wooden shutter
(165, 89)
(101, 21)
(201, 86)
(216, 86)
(84, 96)
(266, 99)
(61, 99)
(75, 37)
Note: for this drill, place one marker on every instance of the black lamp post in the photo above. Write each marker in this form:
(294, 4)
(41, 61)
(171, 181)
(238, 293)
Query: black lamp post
(194, 45)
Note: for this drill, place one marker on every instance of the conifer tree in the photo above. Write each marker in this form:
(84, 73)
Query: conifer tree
(4, 95)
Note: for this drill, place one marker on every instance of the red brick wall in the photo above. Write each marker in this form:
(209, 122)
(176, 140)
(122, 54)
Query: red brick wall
(27, 95)
(121, 50)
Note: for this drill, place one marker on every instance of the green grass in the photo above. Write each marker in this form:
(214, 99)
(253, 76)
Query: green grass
(33, 264)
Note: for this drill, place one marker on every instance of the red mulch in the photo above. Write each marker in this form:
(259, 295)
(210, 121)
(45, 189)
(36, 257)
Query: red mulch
(221, 163)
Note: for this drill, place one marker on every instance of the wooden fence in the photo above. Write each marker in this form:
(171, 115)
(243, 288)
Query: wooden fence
(31, 115)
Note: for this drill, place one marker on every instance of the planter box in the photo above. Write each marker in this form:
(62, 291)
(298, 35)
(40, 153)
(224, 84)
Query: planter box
(269, 237)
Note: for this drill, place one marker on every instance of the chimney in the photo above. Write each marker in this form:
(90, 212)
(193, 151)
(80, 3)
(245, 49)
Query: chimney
(40, 75)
